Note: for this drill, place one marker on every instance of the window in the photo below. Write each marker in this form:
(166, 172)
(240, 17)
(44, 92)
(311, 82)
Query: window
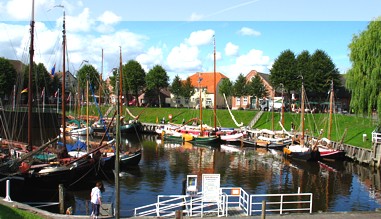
(244, 100)
(208, 102)
(178, 100)
(238, 100)
(186, 101)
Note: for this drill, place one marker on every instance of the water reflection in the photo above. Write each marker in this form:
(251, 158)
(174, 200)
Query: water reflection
(336, 186)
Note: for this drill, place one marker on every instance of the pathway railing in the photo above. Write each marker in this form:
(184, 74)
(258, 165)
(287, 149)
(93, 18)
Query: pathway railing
(230, 198)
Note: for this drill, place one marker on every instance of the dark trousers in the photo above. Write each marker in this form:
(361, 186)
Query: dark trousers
(95, 208)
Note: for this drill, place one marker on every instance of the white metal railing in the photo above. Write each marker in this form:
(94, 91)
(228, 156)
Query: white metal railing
(295, 202)
(376, 137)
(236, 197)
(193, 205)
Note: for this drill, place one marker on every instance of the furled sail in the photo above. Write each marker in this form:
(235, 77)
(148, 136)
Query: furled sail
(231, 114)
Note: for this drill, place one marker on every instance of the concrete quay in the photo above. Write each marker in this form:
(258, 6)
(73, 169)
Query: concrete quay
(323, 215)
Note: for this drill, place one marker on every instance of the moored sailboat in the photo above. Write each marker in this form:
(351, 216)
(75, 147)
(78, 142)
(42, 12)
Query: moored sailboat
(324, 144)
(302, 151)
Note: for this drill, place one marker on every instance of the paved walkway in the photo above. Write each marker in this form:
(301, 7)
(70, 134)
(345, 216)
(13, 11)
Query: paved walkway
(336, 215)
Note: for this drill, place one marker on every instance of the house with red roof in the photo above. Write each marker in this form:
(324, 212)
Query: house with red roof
(248, 102)
(204, 87)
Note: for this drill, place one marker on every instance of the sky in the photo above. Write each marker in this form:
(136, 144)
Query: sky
(180, 35)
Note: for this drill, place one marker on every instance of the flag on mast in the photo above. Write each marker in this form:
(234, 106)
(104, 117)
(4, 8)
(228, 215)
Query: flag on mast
(53, 69)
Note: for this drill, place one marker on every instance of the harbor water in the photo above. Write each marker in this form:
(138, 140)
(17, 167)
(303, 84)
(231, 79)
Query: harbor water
(336, 185)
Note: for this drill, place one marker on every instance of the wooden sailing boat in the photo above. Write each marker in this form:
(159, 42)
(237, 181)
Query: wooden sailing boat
(324, 144)
(198, 135)
(272, 138)
(133, 125)
(275, 139)
(302, 151)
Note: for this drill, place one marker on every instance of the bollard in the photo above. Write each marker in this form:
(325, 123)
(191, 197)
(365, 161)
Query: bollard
(263, 216)
(61, 197)
(364, 137)
(8, 192)
(179, 214)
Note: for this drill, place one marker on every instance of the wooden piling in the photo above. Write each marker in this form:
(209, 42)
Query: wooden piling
(61, 197)
(263, 216)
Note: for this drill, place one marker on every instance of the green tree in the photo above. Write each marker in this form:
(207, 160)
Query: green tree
(7, 77)
(176, 87)
(304, 68)
(157, 79)
(363, 79)
(40, 79)
(323, 71)
(188, 89)
(133, 78)
(257, 89)
(88, 72)
(240, 88)
(226, 88)
(284, 72)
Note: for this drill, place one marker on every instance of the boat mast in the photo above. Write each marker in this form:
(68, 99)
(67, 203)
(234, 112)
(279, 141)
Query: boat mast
(302, 113)
(200, 101)
(215, 83)
(272, 111)
(63, 81)
(330, 111)
(31, 53)
(100, 82)
(87, 114)
(120, 82)
(117, 157)
(282, 109)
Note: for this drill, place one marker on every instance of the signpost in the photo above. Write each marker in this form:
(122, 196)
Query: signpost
(210, 187)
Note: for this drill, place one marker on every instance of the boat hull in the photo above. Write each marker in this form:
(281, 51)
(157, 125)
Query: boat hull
(332, 154)
(301, 153)
(131, 159)
(135, 127)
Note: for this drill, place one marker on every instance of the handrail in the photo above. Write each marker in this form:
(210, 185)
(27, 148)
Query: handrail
(193, 205)
(284, 205)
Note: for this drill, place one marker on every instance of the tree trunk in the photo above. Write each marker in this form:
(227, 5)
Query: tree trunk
(137, 100)
(159, 98)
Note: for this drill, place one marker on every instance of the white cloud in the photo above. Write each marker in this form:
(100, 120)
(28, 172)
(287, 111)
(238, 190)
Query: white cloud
(184, 58)
(253, 60)
(245, 31)
(195, 17)
(80, 23)
(231, 49)
(154, 56)
(218, 56)
(109, 18)
(201, 37)
(22, 10)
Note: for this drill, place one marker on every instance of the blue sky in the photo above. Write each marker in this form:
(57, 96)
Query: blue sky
(178, 35)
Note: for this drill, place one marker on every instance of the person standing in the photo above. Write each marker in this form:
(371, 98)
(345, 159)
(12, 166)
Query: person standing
(96, 199)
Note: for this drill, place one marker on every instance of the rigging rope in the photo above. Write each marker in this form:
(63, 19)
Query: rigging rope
(231, 114)
(280, 123)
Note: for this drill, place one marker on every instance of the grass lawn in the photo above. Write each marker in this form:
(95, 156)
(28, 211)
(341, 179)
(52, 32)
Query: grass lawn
(356, 125)
(14, 213)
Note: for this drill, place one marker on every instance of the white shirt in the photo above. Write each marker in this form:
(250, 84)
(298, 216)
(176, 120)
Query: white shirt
(95, 195)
